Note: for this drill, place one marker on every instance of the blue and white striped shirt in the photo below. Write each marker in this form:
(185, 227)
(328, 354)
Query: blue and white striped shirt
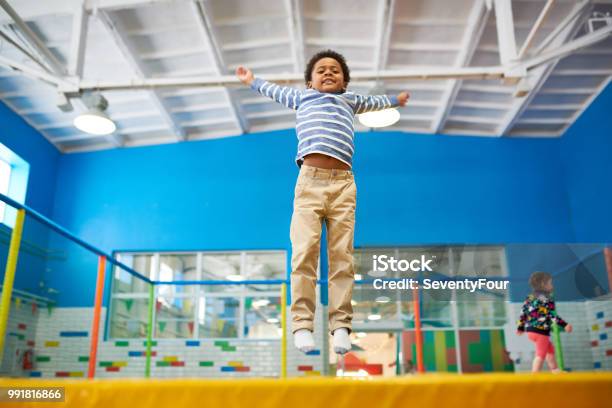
(324, 120)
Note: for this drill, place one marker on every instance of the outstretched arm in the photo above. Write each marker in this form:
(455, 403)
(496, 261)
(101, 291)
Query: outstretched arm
(286, 96)
(379, 102)
(557, 319)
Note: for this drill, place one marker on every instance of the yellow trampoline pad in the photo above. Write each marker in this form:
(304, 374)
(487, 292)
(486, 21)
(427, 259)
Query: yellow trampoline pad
(575, 390)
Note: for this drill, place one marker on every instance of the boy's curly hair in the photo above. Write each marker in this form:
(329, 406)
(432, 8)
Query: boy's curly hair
(538, 279)
(327, 54)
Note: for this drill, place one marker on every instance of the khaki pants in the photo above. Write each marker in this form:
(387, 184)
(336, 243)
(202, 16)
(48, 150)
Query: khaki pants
(330, 195)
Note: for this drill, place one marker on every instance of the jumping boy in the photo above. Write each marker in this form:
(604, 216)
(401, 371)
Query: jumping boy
(325, 188)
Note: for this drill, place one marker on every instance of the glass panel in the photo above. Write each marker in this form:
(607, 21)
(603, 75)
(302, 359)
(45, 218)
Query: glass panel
(262, 317)
(372, 305)
(5, 176)
(482, 308)
(174, 329)
(177, 268)
(175, 317)
(218, 317)
(175, 308)
(221, 266)
(124, 282)
(265, 265)
(129, 318)
(473, 261)
(435, 303)
(363, 262)
(579, 270)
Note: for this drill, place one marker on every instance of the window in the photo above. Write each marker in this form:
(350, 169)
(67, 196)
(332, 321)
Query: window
(5, 177)
(387, 309)
(199, 311)
(14, 172)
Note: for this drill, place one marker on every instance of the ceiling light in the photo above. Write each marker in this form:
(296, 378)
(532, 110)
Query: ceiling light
(383, 118)
(94, 121)
(383, 299)
(235, 278)
(374, 317)
(272, 320)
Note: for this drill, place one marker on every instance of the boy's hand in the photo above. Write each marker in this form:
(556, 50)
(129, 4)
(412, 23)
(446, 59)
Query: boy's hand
(519, 333)
(244, 75)
(402, 98)
(569, 328)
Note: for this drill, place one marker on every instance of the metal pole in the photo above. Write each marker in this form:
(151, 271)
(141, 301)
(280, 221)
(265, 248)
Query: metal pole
(557, 342)
(93, 348)
(398, 361)
(150, 330)
(284, 330)
(418, 334)
(9, 277)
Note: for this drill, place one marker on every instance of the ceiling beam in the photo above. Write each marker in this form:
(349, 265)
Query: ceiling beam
(537, 77)
(476, 23)
(574, 13)
(35, 42)
(384, 28)
(295, 21)
(535, 28)
(56, 67)
(30, 72)
(433, 73)
(267, 63)
(8, 37)
(79, 41)
(127, 49)
(570, 47)
(504, 23)
(209, 36)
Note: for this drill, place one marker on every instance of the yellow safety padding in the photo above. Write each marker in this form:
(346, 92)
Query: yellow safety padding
(422, 391)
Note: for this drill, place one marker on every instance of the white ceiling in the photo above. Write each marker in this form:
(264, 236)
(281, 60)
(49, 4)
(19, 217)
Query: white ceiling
(186, 38)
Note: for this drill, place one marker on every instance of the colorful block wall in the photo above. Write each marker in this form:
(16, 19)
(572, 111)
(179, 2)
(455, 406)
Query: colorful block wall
(439, 350)
(483, 351)
(62, 350)
(20, 336)
(60, 339)
(480, 350)
(599, 319)
(575, 345)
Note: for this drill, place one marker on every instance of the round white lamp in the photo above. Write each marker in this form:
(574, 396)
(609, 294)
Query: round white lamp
(383, 118)
(95, 121)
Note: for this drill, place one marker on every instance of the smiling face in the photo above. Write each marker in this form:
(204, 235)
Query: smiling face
(327, 76)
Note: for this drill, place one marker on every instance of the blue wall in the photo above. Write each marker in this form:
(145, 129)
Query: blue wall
(237, 193)
(586, 151)
(43, 158)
